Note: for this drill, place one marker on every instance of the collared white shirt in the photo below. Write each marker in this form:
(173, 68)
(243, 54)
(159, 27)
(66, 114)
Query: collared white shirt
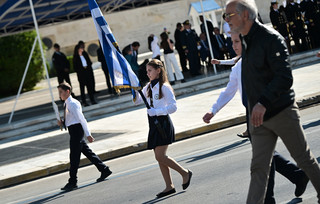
(155, 47)
(233, 85)
(83, 61)
(164, 106)
(74, 115)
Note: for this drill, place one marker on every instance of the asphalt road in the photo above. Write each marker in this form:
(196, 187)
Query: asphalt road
(220, 162)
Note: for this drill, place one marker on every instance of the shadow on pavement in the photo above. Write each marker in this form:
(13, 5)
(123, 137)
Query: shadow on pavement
(41, 147)
(295, 200)
(156, 200)
(58, 195)
(312, 124)
(219, 151)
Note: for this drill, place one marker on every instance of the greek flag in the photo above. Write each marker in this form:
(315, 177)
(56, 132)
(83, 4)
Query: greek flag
(120, 70)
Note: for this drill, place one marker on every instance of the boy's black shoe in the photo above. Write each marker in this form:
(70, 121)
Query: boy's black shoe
(69, 187)
(104, 174)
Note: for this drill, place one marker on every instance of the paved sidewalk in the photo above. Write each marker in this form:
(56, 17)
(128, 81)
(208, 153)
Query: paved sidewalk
(130, 128)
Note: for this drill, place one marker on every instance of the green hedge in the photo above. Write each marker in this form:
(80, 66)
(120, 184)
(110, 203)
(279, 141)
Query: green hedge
(15, 51)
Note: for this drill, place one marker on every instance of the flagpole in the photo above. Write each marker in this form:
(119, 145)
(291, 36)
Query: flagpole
(208, 37)
(41, 50)
(144, 99)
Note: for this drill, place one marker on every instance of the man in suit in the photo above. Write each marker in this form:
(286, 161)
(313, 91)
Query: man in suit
(213, 41)
(204, 51)
(61, 64)
(134, 48)
(191, 44)
(222, 44)
(182, 55)
(77, 126)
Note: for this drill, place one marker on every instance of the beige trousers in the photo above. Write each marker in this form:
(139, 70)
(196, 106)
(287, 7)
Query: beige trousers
(287, 126)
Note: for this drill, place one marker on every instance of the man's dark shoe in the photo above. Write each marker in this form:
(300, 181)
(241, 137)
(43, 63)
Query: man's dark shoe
(301, 186)
(104, 174)
(69, 187)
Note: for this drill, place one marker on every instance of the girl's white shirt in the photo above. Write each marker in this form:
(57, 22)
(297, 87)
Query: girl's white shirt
(164, 106)
(155, 47)
(233, 86)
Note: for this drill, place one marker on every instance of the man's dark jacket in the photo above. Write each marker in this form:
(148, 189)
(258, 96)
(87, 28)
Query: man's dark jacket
(266, 72)
(60, 62)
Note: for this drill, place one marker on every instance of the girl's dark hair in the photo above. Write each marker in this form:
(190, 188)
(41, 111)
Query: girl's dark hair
(164, 41)
(150, 39)
(157, 64)
(75, 52)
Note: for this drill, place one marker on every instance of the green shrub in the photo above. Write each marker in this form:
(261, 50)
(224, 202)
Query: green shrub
(15, 51)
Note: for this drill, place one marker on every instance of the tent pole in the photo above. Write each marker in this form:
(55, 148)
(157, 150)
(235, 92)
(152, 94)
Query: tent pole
(22, 81)
(208, 37)
(41, 49)
(223, 11)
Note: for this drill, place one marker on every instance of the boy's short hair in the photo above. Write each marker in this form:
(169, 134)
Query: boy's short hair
(135, 44)
(65, 86)
(56, 45)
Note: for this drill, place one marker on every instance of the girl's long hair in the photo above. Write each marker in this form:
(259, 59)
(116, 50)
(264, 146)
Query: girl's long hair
(157, 64)
(164, 41)
(150, 39)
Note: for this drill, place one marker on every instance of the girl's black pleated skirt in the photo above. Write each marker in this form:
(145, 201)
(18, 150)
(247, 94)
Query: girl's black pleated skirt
(155, 138)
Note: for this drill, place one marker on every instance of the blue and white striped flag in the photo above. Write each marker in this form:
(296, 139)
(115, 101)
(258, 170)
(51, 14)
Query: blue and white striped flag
(120, 70)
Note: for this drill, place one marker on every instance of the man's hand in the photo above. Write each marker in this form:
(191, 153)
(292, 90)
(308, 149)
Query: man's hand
(215, 61)
(90, 138)
(258, 112)
(318, 54)
(207, 117)
(59, 122)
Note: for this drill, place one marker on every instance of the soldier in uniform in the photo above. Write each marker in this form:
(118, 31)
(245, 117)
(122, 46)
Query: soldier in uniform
(293, 13)
(279, 21)
(190, 44)
(312, 20)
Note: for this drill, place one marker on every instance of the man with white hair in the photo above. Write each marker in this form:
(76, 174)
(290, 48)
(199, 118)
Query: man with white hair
(267, 81)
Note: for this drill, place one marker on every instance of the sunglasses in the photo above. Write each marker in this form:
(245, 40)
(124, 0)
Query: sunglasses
(228, 15)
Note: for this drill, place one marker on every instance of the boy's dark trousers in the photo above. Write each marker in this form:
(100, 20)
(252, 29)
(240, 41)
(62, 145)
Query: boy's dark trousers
(78, 145)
